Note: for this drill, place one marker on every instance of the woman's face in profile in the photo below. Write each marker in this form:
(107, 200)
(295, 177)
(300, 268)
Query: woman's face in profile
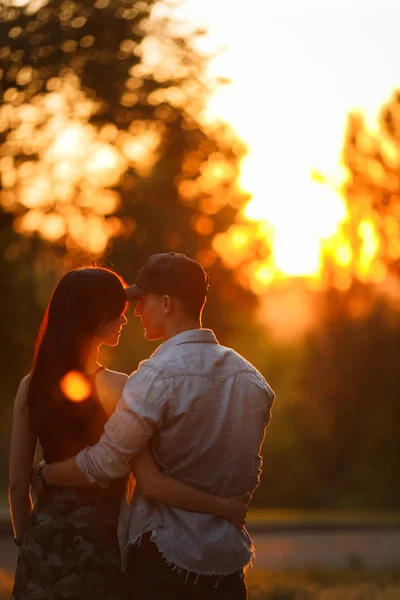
(109, 333)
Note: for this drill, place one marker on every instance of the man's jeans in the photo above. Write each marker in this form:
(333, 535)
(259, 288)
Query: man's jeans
(151, 578)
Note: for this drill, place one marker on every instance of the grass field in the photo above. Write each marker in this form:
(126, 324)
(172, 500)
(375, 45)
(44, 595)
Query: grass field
(287, 517)
(350, 584)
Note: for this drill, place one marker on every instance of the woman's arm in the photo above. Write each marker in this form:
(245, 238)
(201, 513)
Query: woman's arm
(176, 493)
(22, 455)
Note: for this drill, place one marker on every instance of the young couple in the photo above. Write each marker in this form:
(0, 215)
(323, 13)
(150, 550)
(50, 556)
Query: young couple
(179, 441)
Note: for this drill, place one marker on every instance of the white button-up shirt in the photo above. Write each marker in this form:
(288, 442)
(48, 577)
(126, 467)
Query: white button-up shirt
(205, 409)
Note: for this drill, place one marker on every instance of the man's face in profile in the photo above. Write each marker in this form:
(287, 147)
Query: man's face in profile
(150, 309)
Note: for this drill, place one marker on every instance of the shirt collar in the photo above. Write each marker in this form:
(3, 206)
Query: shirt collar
(190, 336)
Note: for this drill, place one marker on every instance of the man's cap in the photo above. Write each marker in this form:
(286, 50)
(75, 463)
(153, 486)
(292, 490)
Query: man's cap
(171, 273)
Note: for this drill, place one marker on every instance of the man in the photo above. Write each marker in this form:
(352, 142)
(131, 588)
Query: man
(204, 409)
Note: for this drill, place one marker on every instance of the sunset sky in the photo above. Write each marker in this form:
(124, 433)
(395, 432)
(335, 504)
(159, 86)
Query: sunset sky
(297, 67)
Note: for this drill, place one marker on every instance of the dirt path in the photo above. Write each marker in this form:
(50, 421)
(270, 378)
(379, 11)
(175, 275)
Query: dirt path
(377, 548)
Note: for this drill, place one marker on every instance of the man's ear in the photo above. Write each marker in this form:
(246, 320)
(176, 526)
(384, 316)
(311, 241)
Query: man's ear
(167, 304)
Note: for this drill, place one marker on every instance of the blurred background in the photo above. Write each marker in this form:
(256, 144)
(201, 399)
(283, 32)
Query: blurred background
(263, 139)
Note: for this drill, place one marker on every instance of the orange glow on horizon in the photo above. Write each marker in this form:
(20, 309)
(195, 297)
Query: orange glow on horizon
(75, 386)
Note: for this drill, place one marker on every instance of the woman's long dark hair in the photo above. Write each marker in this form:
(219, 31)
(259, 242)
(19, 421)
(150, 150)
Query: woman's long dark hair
(82, 300)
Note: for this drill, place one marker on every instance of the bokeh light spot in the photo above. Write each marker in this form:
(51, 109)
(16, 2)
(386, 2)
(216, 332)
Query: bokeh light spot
(75, 386)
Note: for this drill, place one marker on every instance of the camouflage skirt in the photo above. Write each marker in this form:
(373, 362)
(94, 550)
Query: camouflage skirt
(70, 549)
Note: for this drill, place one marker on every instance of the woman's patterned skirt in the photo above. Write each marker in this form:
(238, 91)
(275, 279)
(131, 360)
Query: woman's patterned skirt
(70, 549)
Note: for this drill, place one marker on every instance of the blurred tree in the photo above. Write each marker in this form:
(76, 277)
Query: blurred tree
(349, 425)
(334, 439)
(351, 421)
(102, 136)
(371, 157)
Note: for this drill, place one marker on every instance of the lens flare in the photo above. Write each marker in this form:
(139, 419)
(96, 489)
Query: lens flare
(75, 386)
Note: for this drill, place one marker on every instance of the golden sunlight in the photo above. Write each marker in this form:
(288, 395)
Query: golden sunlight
(75, 386)
(301, 214)
(292, 84)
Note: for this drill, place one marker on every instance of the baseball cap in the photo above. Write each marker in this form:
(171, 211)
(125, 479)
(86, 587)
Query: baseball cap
(170, 273)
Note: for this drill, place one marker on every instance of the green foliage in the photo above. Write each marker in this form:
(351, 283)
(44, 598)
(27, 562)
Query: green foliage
(354, 387)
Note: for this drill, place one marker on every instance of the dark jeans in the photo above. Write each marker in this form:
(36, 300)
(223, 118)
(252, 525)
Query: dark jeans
(151, 578)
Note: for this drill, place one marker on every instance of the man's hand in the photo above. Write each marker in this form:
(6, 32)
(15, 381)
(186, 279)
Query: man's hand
(235, 510)
(37, 480)
(65, 473)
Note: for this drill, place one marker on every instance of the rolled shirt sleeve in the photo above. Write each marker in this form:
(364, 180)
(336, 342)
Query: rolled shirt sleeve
(137, 416)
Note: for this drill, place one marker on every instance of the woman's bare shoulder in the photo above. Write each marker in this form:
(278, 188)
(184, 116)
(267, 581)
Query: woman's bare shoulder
(113, 380)
(114, 376)
(109, 387)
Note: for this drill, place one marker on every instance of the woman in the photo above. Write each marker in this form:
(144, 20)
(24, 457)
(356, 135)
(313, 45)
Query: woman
(68, 542)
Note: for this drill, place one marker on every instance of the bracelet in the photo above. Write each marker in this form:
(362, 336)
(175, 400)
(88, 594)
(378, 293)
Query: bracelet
(17, 541)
